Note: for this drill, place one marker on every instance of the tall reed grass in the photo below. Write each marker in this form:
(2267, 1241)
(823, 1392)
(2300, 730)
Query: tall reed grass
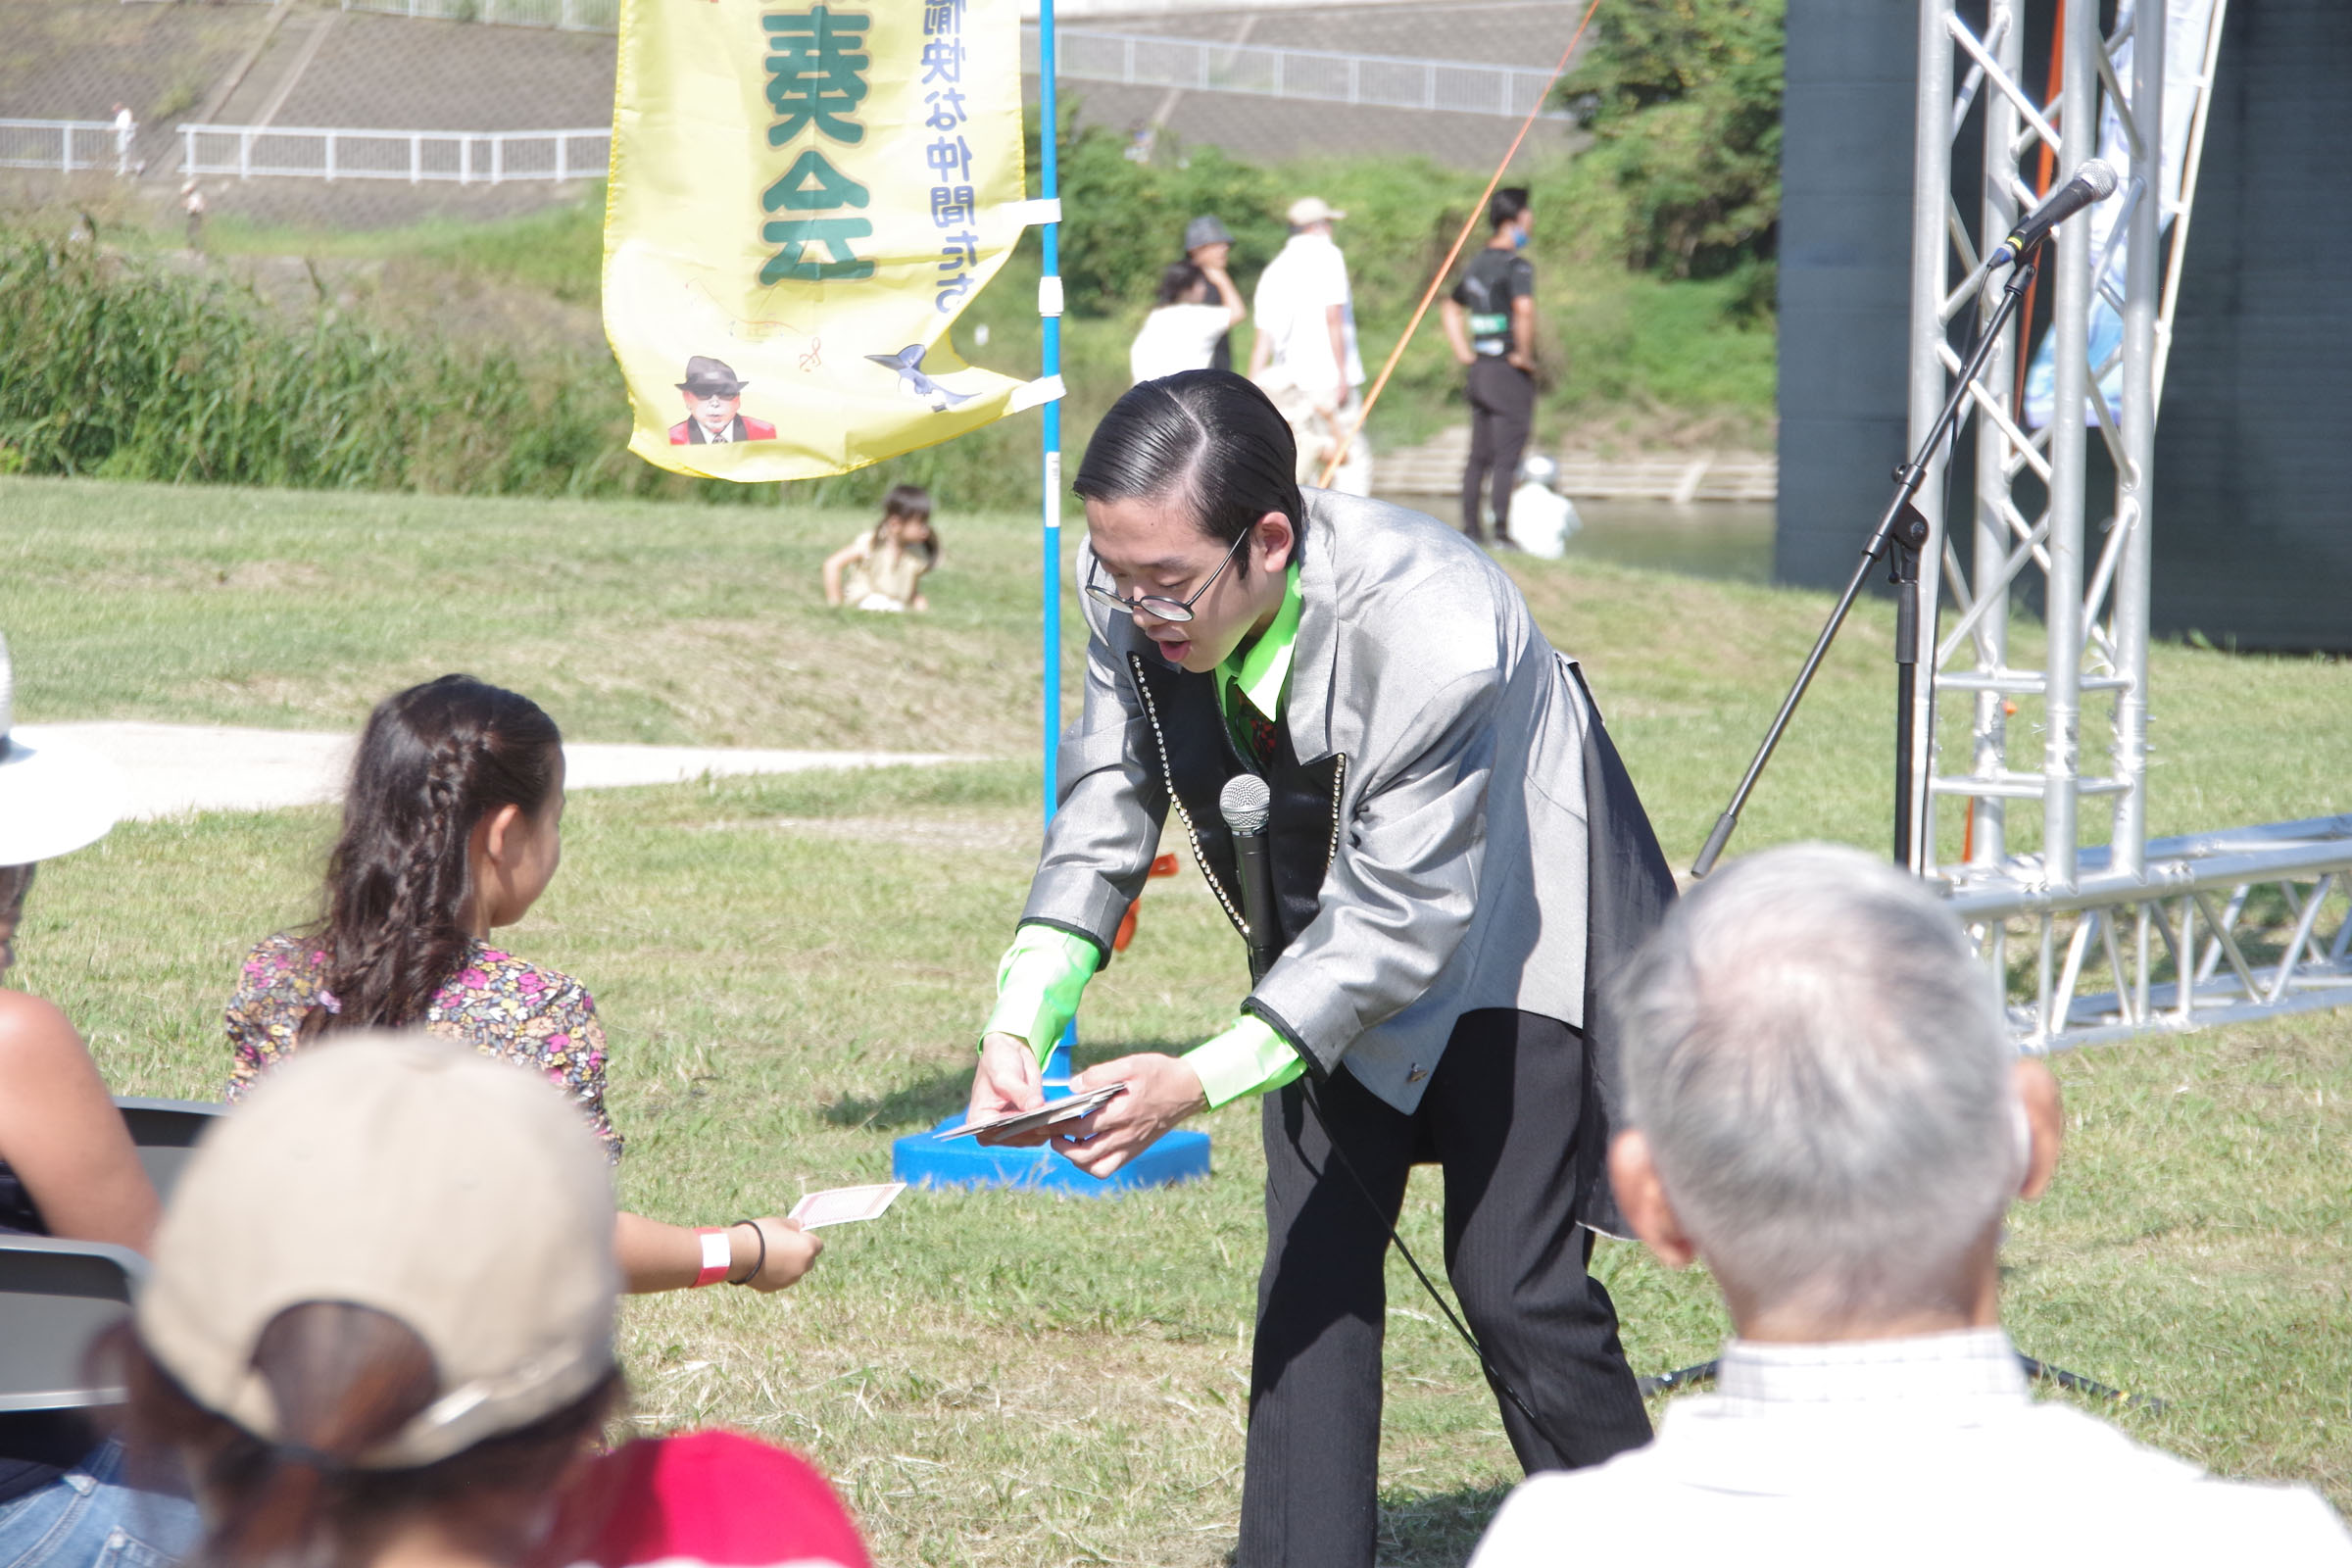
(136, 368)
(125, 367)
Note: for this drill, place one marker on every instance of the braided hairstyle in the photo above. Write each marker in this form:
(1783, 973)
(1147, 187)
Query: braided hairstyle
(433, 761)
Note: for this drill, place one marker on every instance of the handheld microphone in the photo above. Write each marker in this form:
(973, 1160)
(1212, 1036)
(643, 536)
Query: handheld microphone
(2093, 182)
(1246, 803)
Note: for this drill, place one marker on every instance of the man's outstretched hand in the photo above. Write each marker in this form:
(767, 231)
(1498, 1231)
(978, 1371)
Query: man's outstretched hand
(1161, 1091)
(1008, 1080)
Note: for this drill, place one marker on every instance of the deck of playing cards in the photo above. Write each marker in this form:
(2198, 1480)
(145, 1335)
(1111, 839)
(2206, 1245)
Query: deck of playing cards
(1052, 1113)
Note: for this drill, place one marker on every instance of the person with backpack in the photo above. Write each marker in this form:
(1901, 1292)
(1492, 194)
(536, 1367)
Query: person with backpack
(1491, 320)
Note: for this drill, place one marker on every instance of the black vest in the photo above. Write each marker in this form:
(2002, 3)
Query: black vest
(1196, 755)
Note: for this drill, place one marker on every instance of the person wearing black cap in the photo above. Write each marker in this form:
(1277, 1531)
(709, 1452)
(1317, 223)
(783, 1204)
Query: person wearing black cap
(714, 401)
(1491, 321)
(1209, 246)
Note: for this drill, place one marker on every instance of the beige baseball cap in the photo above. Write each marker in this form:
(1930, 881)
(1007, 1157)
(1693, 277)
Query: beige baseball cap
(459, 1194)
(1312, 210)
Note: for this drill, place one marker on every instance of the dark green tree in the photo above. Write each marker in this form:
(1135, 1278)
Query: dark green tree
(1683, 98)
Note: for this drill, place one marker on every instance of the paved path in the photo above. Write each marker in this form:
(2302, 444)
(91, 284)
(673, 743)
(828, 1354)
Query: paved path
(174, 768)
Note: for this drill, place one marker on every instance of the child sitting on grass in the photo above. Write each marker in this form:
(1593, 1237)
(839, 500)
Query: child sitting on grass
(885, 568)
(452, 828)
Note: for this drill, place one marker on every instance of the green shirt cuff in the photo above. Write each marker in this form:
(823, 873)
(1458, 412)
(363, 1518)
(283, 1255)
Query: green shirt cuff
(1038, 982)
(1247, 1059)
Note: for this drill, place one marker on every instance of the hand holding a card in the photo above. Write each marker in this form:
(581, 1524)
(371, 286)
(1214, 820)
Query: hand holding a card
(1161, 1091)
(783, 1250)
(1008, 1081)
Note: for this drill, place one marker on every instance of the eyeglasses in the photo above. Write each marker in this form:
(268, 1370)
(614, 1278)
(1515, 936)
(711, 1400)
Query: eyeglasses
(1158, 608)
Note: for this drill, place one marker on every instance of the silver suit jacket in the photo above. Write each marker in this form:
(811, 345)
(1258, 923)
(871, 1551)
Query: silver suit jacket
(1459, 879)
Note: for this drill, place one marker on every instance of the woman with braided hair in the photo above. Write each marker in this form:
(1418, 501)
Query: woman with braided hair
(452, 827)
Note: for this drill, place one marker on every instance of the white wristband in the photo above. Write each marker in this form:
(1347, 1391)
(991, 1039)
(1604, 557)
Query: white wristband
(718, 1255)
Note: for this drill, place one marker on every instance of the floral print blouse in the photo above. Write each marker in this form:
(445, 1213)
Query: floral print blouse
(498, 1004)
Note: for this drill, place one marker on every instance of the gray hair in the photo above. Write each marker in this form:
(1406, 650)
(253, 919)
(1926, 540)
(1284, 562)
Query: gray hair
(1821, 1068)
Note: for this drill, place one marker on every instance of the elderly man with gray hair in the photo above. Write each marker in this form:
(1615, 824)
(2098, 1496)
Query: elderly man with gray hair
(1825, 1107)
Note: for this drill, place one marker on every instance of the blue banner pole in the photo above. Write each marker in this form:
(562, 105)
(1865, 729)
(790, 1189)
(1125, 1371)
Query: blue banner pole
(1049, 309)
(924, 1158)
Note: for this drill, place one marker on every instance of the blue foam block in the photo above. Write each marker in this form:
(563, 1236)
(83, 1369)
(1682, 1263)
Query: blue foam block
(924, 1160)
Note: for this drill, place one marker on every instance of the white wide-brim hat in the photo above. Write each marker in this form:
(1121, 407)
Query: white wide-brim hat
(55, 796)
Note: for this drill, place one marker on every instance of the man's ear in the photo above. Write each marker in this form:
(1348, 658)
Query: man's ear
(1276, 542)
(2046, 1123)
(1642, 1196)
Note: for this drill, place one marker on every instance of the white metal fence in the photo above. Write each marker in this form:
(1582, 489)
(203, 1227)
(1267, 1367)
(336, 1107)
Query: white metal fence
(1315, 76)
(1140, 60)
(460, 157)
(64, 145)
(569, 16)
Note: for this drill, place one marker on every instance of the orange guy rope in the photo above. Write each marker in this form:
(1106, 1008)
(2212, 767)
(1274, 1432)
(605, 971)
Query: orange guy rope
(1348, 438)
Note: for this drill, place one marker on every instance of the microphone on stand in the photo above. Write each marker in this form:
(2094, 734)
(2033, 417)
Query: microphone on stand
(2093, 182)
(1247, 803)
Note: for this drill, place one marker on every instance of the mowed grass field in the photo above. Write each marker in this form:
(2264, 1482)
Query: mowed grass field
(790, 971)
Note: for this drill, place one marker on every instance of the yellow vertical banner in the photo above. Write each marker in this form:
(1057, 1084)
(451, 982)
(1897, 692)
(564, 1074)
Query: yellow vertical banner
(804, 196)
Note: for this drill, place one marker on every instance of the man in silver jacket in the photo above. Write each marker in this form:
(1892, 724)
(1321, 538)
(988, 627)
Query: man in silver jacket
(1459, 860)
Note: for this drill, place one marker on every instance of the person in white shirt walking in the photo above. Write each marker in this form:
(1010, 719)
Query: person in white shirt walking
(1182, 332)
(1826, 1109)
(1306, 356)
(126, 130)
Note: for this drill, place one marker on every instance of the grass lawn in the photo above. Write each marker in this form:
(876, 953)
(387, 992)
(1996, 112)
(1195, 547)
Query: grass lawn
(791, 969)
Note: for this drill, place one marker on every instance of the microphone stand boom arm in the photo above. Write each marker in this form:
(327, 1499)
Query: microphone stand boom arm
(1903, 531)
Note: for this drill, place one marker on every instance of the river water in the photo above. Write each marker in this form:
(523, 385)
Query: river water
(1723, 539)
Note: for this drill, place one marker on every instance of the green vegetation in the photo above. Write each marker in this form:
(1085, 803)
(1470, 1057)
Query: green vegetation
(1621, 350)
(128, 369)
(1684, 99)
(790, 970)
(128, 363)
(556, 250)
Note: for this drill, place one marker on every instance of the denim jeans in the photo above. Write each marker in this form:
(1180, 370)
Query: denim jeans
(90, 1518)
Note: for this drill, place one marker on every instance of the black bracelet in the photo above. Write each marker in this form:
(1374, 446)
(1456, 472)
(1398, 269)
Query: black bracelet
(761, 1261)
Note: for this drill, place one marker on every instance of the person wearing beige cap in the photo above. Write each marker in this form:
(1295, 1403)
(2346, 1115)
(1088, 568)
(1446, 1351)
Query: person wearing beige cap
(1305, 355)
(401, 1356)
(67, 1169)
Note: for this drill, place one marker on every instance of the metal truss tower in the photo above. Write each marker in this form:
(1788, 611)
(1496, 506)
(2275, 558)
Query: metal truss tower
(2103, 942)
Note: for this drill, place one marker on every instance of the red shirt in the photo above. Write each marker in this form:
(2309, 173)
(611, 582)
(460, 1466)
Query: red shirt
(712, 1497)
(682, 432)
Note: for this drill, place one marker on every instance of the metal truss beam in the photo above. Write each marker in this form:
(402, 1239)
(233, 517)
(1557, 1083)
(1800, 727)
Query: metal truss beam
(2214, 928)
(2182, 932)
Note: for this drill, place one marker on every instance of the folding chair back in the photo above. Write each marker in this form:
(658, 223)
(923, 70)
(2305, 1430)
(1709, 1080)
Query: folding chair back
(55, 1298)
(166, 1133)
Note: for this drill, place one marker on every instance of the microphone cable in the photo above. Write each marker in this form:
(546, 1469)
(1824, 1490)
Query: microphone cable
(1246, 804)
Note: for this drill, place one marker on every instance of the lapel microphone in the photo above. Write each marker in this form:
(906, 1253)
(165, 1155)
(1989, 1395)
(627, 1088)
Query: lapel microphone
(1247, 803)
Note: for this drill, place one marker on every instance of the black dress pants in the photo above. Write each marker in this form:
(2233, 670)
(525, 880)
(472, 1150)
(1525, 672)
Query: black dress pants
(1503, 409)
(1505, 1116)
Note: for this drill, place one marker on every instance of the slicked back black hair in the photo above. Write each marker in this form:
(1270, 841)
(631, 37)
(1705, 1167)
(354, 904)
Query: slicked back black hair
(1209, 440)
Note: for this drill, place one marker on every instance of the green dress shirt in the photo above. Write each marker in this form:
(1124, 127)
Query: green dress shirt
(1045, 971)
